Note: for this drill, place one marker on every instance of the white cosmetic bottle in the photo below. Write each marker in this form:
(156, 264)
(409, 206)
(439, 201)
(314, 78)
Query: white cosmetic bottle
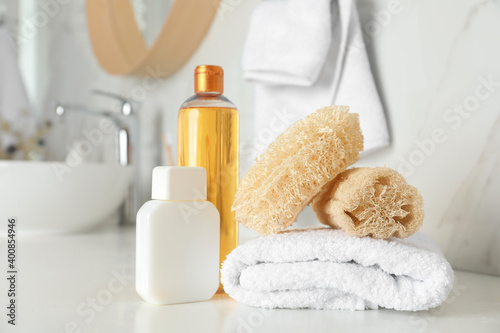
(177, 239)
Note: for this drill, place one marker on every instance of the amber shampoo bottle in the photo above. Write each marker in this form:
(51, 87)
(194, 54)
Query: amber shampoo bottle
(208, 136)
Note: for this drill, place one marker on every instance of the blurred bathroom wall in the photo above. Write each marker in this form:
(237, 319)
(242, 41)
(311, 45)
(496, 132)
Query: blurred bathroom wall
(426, 55)
(58, 63)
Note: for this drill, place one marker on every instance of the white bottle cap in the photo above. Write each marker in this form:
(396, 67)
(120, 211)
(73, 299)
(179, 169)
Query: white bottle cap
(179, 183)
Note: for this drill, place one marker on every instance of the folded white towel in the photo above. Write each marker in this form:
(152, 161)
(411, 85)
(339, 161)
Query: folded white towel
(286, 54)
(324, 268)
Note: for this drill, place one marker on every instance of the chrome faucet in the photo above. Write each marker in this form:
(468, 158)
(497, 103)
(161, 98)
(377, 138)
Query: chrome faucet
(122, 134)
(123, 143)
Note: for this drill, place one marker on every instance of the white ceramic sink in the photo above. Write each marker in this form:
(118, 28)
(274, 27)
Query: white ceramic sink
(45, 201)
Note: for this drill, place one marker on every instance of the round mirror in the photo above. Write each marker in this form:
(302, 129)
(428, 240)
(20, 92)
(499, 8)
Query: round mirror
(158, 48)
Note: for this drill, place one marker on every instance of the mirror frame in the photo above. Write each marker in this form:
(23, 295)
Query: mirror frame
(120, 47)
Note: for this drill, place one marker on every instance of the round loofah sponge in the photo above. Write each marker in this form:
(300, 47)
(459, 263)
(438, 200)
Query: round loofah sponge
(295, 167)
(374, 202)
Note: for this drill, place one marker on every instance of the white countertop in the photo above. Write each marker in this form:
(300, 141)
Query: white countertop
(85, 283)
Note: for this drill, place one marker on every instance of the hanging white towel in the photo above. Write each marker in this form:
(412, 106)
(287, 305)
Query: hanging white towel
(324, 268)
(295, 73)
(272, 56)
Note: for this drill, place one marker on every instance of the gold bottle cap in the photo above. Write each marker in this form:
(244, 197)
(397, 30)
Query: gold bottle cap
(208, 79)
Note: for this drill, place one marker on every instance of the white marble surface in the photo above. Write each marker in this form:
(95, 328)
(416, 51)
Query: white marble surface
(426, 56)
(85, 283)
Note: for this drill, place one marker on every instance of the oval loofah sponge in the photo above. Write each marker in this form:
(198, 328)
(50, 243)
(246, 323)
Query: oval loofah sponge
(295, 167)
(374, 202)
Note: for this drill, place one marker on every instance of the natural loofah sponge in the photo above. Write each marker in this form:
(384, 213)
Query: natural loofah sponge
(374, 202)
(295, 167)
